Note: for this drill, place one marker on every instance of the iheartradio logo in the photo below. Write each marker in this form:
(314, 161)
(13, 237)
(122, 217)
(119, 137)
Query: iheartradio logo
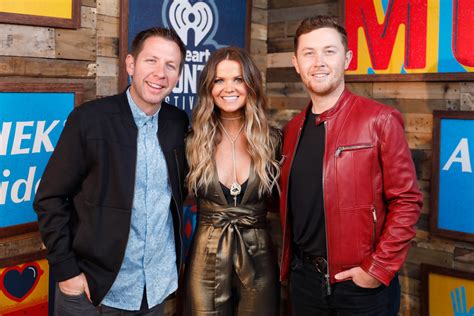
(184, 16)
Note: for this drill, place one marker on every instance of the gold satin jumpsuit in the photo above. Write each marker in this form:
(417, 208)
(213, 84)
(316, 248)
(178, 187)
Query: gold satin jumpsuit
(232, 269)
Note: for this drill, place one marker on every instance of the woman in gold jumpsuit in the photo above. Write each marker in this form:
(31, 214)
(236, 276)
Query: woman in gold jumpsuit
(232, 268)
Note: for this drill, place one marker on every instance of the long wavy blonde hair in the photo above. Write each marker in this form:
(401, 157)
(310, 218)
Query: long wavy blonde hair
(205, 134)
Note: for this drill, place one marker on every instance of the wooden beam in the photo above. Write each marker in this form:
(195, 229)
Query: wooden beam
(417, 90)
(88, 17)
(278, 4)
(27, 41)
(280, 60)
(108, 7)
(299, 13)
(43, 67)
(76, 44)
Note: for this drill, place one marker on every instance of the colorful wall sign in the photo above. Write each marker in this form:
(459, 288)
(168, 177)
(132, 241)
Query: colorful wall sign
(446, 292)
(30, 125)
(24, 289)
(410, 36)
(453, 178)
(49, 8)
(55, 13)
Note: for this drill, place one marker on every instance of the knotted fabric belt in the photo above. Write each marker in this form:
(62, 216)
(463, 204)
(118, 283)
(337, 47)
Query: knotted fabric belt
(231, 247)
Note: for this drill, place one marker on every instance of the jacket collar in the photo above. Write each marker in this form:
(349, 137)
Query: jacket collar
(140, 117)
(125, 111)
(163, 121)
(328, 114)
(127, 115)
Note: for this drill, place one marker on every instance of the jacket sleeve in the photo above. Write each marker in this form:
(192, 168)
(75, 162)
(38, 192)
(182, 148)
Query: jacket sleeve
(54, 199)
(402, 198)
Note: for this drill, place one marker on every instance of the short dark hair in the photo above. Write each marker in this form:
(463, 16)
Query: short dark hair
(317, 22)
(168, 34)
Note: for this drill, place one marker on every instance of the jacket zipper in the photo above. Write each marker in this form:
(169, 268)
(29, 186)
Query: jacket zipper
(288, 183)
(340, 149)
(374, 217)
(324, 211)
(179, 173)
(178, 212)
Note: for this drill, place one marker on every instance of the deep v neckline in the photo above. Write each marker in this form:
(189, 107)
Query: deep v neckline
(217, 183)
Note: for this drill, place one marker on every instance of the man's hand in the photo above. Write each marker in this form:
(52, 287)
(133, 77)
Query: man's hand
(75, 286)
(359, 277)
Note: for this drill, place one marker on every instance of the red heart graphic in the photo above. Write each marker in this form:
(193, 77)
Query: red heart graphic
(17, 282)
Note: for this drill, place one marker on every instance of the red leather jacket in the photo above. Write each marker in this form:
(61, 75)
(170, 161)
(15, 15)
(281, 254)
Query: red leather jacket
(371, 196)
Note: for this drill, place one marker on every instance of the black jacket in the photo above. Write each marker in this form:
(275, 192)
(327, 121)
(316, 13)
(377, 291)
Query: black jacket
(85, 197)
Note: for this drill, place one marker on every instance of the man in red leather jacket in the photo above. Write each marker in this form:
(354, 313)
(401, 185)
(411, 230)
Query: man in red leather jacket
(349, 199)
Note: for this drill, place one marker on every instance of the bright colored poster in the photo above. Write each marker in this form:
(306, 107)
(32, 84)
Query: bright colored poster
(450, 296)
(24, 289)
(456, 179)
(47, 8)
(30, 125)
(410, 36)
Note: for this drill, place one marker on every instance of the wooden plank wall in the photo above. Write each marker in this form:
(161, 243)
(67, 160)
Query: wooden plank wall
(415, 100)
(89, 55)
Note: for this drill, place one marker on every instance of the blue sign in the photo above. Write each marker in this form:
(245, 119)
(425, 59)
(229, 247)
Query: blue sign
(456, 178)
(31, 124)
(203, 26)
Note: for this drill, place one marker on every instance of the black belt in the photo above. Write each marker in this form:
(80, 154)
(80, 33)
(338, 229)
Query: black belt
(320, 263)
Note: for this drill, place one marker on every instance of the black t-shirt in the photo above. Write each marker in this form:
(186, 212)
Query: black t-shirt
(306, 202)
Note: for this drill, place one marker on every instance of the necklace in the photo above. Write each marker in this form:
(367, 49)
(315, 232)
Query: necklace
(235, 188)
(230, 118)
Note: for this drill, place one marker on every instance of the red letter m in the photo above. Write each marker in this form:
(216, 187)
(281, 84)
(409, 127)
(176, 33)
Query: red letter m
(381, 37)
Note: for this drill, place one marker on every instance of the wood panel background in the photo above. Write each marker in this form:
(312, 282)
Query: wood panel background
(415, 100)
(89, 55)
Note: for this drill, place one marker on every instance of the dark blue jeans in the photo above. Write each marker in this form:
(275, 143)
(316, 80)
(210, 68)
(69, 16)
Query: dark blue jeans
(79, 305)
(347, 299)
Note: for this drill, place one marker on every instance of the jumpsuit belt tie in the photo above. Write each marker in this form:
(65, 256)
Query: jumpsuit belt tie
(231, 247)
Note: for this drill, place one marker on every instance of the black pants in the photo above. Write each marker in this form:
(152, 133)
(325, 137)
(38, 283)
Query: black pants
(306, 287)
(79, 305)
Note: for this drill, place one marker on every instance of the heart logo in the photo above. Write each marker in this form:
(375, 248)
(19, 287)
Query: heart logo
(184, 16)
(17, 282)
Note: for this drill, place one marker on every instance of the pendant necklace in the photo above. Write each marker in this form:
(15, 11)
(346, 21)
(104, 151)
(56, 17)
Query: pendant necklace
(235, 188)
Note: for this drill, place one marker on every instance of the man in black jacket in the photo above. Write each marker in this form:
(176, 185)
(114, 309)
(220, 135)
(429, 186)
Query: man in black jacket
(110, 199)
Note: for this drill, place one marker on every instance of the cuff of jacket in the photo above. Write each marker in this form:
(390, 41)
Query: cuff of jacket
(65, 270)
(377, 271)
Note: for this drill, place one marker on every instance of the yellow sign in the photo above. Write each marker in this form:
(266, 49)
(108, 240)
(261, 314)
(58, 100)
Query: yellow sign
(48, 8)
(450, 295)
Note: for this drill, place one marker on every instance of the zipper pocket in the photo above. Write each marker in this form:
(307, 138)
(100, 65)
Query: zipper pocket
(374, 224)
(340, 149)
